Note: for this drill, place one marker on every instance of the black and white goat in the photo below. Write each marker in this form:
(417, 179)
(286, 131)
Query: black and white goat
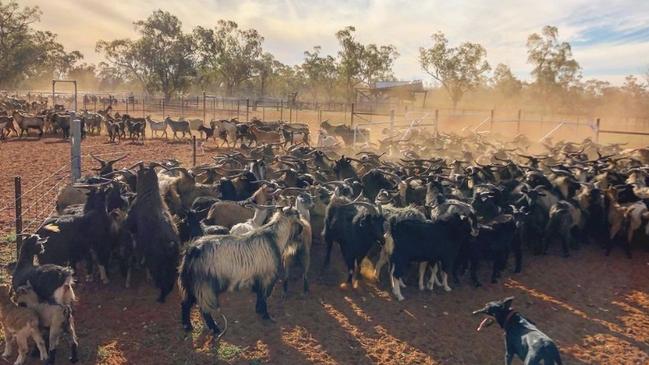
(50, 282)
(213, 265)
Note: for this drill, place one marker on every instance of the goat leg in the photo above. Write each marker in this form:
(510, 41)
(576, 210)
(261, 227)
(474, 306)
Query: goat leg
(209, 321)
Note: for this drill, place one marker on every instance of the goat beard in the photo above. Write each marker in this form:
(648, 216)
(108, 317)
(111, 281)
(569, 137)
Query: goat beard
(486, 322)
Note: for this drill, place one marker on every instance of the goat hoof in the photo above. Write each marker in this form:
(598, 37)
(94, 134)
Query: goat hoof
(188, 327)
(355, 284)
(74, 360)
(344, 286)
(447, 289)
(268, 318)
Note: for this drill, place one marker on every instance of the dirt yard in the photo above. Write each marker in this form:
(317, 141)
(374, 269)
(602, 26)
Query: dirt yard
(595, 307)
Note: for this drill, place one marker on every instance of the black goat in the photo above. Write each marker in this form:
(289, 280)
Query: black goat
(50, 282)
(357, 227)
(156, 236)
(82, 236)
(424, 241)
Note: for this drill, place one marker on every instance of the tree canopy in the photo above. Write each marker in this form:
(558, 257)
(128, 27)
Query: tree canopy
(459, 69)
(26, 53)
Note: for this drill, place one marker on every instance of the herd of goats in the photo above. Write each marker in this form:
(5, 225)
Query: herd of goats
(243, 221)
(18, 114)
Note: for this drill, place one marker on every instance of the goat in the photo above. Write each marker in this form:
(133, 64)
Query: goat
(226, 130)
(19, 324)
(50, 282)
(157, 126)
(27, 122)
(257, 220)
(178, 126)
(357, 227)
(216, 264)
(423, 241)
(106, 165)
(209, 132)
(6, 124)
(156, 236)
(81, 236)
(58, 318)
(228, 213)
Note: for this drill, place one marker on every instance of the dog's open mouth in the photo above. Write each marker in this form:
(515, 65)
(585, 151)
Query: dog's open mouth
(486, 322)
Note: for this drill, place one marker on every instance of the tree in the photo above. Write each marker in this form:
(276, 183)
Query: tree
(376, 64)
(28, 54)
(458, 69)
(554, 69)
(350, 55)
(362, 63)
(161, 59)
(228, 54)
(504, 82)
(86, 75)
(266, 68)
(320, 72)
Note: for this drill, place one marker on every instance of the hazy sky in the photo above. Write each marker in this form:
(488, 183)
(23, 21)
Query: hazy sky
(610, 38)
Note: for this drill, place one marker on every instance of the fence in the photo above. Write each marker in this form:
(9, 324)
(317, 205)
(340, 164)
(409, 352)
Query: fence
(537, 125)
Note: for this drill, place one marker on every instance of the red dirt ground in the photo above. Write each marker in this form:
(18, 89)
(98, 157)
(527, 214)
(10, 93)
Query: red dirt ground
(596, 308)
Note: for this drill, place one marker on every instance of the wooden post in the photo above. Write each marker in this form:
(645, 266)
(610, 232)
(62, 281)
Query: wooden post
(84, 102)
(126, 105)
(75, 148)
(204, 108)
(352, 116)
(518, 122)
(491, 120)
(182, 106)
(238, 108)
(19, 213)
(281, 110)
(597, 131)
(247, 109)
(163, 109)
(193, 150)
(437, 121)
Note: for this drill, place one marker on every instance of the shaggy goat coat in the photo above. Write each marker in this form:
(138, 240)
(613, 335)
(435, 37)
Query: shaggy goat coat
(215, 264)
(156, 236)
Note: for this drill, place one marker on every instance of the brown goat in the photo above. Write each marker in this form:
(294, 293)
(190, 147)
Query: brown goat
(263, 137)
(58, 318)
(19, 324)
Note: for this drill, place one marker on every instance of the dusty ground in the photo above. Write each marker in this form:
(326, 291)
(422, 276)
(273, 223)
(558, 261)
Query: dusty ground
(596, 308)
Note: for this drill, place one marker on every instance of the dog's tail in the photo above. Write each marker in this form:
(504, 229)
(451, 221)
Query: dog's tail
(552, 356)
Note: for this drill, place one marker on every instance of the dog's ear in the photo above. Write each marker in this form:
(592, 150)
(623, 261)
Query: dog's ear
(507, 302)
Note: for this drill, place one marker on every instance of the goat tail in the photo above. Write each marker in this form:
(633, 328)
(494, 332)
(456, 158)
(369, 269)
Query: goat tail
(64, 294)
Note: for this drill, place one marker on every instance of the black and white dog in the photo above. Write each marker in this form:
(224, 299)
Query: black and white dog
(522, 338)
